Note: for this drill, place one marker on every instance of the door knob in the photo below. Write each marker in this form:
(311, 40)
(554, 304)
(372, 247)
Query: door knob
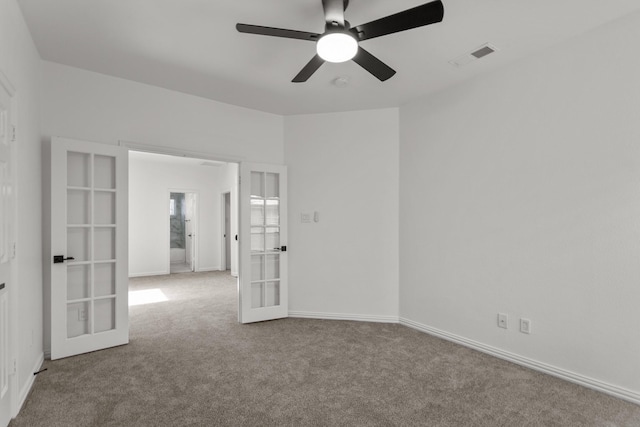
(60, 258)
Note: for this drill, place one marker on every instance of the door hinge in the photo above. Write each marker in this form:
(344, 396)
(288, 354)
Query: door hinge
(13, 133)
(239, 180)
(13, 250)
(14, 367)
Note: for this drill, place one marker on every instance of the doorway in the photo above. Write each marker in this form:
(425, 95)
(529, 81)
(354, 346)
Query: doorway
(182, 231)
(225, 260)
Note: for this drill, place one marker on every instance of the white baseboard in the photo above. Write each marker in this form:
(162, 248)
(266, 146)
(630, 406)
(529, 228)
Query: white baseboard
(26, 388)
(202, 270)
(153, 273)
(342, 316)
(564, 374)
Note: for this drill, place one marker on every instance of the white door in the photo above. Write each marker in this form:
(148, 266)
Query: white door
(190, 229)
(263, 239)
(89, 272)
(6, 251)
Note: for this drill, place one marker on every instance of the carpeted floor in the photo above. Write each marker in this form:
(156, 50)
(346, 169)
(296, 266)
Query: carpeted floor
(190, 363)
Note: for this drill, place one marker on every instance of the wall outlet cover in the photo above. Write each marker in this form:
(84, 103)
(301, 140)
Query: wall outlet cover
(503, 320)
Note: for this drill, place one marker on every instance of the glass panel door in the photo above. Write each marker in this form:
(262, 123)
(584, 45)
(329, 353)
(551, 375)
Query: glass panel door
(263, 291)
(91, 242)
(89, 278)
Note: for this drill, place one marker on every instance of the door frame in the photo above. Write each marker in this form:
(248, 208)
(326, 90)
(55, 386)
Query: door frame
(223, 229)
(196, 264)
(15, 400)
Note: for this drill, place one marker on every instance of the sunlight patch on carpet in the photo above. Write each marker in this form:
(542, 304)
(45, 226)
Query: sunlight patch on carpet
(146, 296)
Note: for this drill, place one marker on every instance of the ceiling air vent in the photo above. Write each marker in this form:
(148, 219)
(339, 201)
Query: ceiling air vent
(478, 53)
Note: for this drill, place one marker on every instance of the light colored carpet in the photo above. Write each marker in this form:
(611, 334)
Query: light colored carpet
(190, 363)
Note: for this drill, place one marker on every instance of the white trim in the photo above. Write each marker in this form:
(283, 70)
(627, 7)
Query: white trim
(153, 273)
(203, 270)
(26, 388)
(343, 316)
(555, 371)
(6, 83)
(157, 149)
(223, 229)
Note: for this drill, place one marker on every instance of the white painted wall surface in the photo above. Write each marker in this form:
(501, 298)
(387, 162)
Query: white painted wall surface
(520, 193)
(345, 167)
(20, 62)
(86, 105)
(150, 182)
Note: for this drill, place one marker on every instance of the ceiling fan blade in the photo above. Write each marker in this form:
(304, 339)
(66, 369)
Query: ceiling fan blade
(428, 13)
(308, 70)
(334, 11)
(373, 65)
(277, 32)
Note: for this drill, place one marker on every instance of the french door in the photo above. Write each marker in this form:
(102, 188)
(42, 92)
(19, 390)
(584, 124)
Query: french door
(89, 272)
(263, 238)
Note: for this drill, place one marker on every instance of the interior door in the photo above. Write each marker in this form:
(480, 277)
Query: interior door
(89, 272)
(6, 251)
(190, 229)
(263, 239)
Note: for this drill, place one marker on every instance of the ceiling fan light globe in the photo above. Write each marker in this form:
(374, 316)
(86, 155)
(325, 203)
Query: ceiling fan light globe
(337, 47)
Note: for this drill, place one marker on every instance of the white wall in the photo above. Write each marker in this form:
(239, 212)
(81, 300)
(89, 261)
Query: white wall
(89, 106)
(149, 185)
(520, 193)
(20, 62)
(345, 167)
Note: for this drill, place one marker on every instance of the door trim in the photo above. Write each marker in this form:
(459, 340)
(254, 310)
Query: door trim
(223, 228)
(14, 397)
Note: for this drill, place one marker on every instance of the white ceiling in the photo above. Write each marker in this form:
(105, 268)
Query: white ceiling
(192, 46)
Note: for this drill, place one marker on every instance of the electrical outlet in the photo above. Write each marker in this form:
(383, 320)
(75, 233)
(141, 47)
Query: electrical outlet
(525, 326)
(502, 320)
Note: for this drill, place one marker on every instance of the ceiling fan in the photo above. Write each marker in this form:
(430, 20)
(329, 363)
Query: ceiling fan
(340, 41)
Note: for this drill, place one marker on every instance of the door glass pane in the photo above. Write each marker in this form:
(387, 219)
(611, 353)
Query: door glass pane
(105, 314)
(257, 184)
(78, 169)
(273, 267)
(272, 239)
(105, 207)
(104, 279)
(77, 319)
(257, 239)
(78, 243)
(105, 171)
(257, 295)
(272, 294)
(273, 212)
(78, 207)
(105, 243)
(78, 281)
(257, 267)
(273, 187)
(257, 212)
